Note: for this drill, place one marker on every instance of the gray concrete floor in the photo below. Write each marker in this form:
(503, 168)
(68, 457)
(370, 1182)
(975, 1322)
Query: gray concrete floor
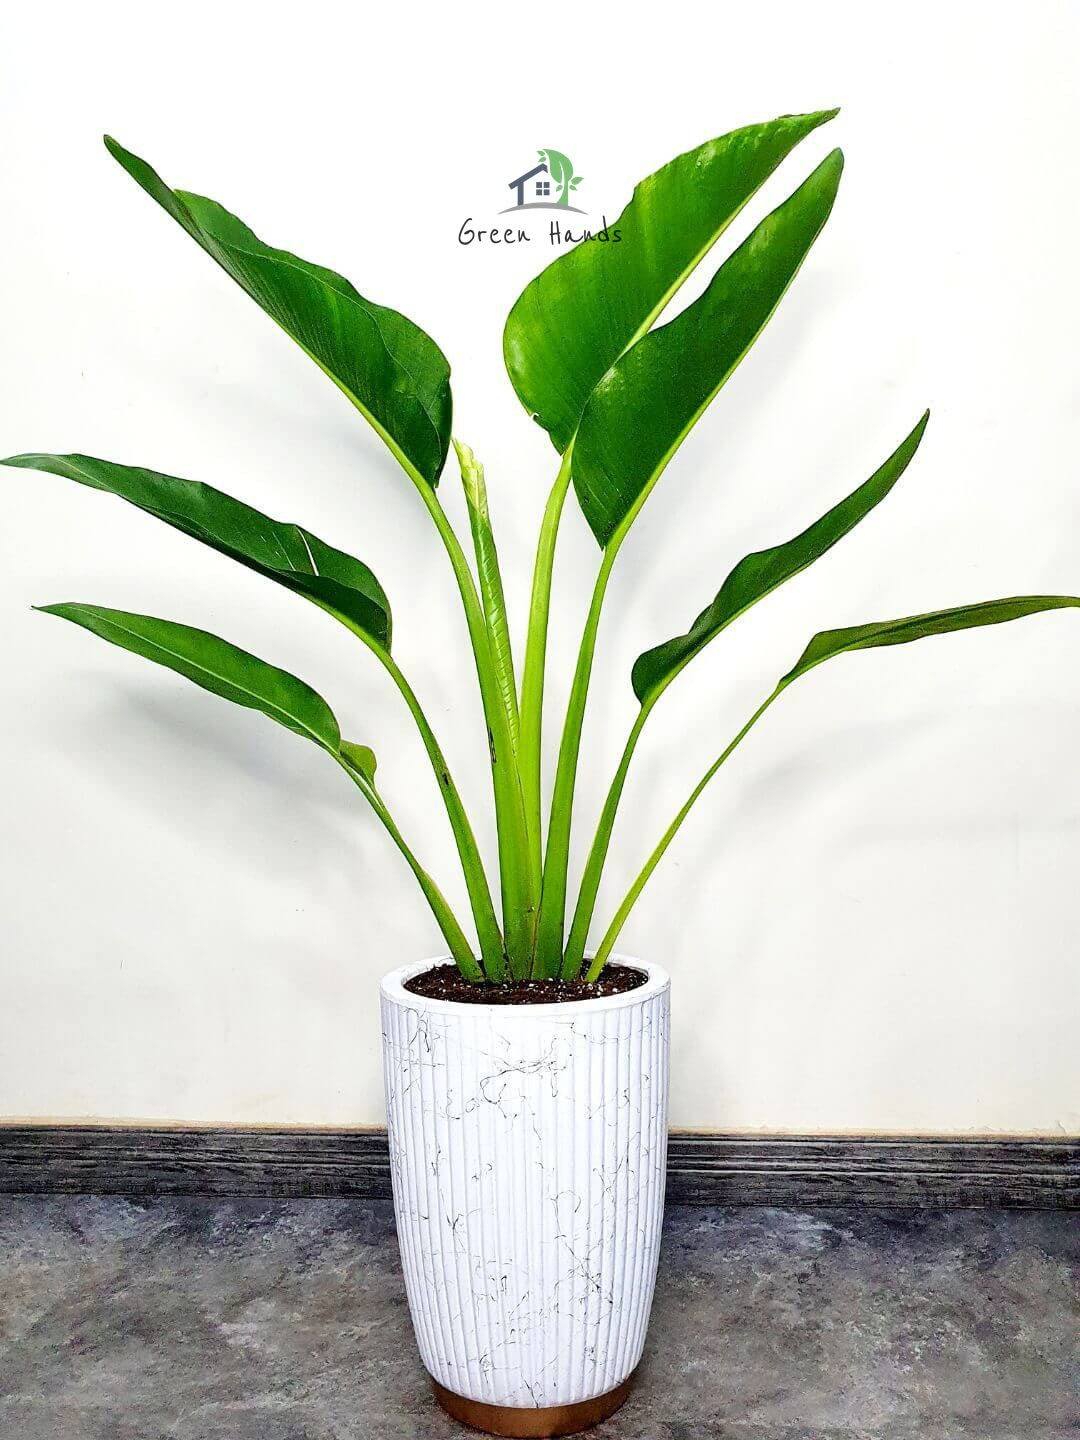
(252, 1320)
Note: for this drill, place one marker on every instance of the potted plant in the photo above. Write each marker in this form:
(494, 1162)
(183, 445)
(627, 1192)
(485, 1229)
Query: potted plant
(526, 1071)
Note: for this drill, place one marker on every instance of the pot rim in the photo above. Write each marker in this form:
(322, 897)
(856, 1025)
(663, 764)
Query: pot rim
(393, 989)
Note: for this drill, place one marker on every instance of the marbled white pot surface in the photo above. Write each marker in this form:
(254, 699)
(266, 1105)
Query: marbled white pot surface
(528, 1152)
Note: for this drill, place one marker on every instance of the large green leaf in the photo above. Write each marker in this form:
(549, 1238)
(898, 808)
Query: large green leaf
(570, 324)
(236, 675)
(647, 403)
(284, 552)
(390, 368)
(825, 645)
(756, 575)
(299, 560)
(828, 643)
(214, 664)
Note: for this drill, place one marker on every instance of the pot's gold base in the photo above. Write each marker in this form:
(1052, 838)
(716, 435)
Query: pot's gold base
(532, 1423)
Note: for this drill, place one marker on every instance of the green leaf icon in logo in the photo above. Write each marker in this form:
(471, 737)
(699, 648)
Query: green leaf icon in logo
(561, 171)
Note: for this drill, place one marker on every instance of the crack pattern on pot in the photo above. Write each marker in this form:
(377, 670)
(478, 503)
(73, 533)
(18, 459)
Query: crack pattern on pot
(528, 1152)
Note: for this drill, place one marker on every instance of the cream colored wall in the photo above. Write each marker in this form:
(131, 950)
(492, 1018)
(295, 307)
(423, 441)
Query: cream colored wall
(872, 921)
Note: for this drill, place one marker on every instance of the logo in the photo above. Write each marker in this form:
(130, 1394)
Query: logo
(554, 169)
(548, 185)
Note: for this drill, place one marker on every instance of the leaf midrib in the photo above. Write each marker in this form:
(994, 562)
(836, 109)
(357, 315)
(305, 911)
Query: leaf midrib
(264, 703)
(295, 263)
(620, 531)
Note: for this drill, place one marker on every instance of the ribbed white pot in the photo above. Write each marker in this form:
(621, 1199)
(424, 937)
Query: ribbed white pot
(528, 1153)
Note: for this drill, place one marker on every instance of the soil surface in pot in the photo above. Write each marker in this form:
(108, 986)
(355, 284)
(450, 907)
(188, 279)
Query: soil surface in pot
(446, 982)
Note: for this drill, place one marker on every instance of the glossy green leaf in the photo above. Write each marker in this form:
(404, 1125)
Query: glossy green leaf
(634, 422)
(756, 575)
(236, 675)
(822, 647)
(284, 552)
(570, 324)
(217, 666)
(828, 643)
(390, 368)
(646, 405)
(300, 561)
(399, 379)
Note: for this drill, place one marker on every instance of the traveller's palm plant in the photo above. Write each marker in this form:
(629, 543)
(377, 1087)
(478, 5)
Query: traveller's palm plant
(617, 393)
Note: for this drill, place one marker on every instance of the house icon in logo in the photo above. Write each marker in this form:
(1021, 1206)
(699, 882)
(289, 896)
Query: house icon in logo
(534, 188)
(543, 187)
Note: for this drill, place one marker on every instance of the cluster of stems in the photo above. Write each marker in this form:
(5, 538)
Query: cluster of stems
(532, 941)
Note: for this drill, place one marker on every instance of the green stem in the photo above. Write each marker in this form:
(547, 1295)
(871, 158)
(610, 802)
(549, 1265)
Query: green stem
(489, 574)
(549, 937)
(460, 948)
(556, 859)
(519, 891)
(487, 925)
(532, 679)
(612, 933)
(594, 866)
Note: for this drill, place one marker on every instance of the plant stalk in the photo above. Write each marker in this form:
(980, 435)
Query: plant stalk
(578, 938)
(444, 915)
(489, 574)
(520, 890)
(549, 937)
(487, 925)
(519, 893)
(532, 680)
(612, 932)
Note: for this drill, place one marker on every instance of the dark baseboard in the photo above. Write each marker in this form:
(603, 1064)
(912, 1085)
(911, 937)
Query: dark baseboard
(922, 1172)
(702, 1169)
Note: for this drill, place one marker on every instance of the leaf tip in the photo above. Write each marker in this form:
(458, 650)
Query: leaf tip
(810, 119)
(920, 427)
(125, 158)
(827, 175)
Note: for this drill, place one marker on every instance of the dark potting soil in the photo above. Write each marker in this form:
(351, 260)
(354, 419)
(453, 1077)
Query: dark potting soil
(446, 982)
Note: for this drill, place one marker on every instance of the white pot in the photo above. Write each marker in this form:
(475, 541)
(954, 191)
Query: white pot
(528, 1154)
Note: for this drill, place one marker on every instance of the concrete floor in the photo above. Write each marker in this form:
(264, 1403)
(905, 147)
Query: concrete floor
(252, 1320)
